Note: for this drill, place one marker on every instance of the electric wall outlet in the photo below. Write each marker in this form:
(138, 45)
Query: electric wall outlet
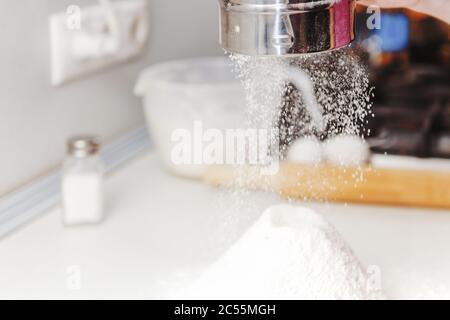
(86, 40)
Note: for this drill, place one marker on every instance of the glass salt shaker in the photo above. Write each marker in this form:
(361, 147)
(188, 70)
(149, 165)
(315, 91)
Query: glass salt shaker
(82, 182)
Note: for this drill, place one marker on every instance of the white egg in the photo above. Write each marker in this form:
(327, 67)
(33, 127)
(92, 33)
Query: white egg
(306, 150)
(347, 150)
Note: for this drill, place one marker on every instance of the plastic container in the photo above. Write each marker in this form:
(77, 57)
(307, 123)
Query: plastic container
(182, 96)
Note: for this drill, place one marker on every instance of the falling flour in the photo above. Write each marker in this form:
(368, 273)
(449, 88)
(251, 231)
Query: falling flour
(340, 83)
(289, 253)
(292, 253)
(334, 85)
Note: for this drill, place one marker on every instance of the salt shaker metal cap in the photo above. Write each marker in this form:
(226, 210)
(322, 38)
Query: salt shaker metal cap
(83, 146)
(285, 27)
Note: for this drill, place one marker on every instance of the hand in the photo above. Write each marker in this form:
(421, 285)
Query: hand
(437, 8)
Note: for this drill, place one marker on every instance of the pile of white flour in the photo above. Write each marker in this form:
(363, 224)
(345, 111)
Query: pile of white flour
(289, 253)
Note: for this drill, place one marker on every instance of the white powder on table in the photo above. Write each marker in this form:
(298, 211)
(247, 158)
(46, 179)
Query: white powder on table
(289, 253)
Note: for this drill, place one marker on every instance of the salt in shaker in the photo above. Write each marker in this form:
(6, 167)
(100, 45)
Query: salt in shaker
(82, 182)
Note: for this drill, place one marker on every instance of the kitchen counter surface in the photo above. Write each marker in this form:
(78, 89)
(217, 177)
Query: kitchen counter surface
(161, 231)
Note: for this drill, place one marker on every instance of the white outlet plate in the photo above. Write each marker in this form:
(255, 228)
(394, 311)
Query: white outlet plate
(75, 51)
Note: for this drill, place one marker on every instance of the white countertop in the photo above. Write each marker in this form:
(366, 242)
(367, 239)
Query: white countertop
(162, 231)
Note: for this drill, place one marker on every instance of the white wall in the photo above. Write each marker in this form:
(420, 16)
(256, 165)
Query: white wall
(36, 119)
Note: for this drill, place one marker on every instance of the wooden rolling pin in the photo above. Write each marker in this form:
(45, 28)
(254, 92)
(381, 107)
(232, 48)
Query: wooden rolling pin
(366, 185)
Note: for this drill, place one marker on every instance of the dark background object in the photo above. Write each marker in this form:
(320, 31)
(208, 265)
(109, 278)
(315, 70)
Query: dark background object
(412, 95)
(409, 66)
